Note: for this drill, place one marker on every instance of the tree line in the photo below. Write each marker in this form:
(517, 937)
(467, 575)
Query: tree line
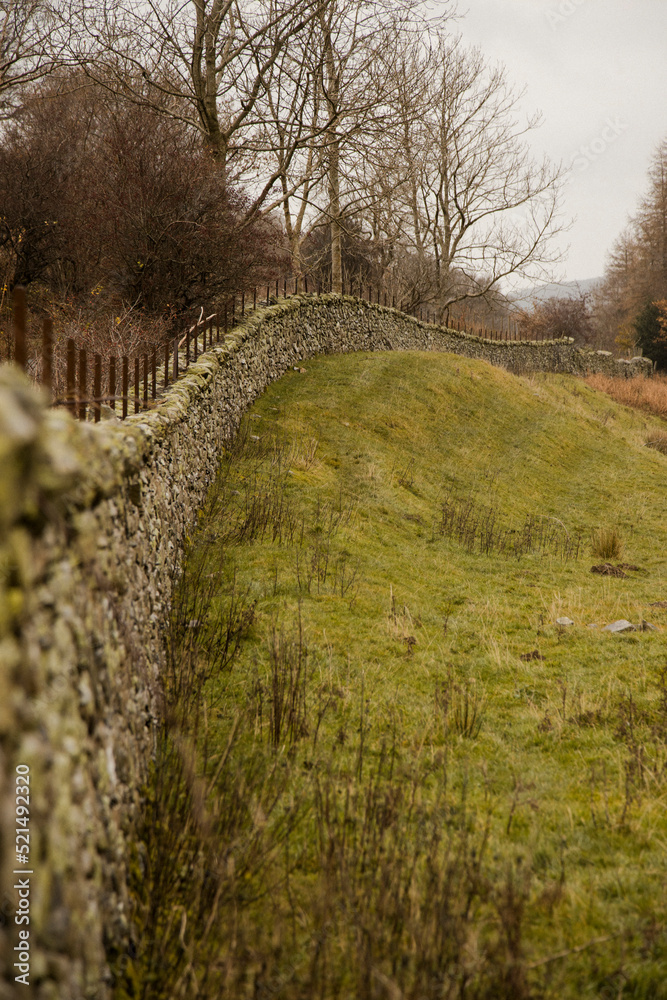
(632, 300)
(157, 154)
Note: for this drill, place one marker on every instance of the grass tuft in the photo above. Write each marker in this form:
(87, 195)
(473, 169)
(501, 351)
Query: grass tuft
(606, 543)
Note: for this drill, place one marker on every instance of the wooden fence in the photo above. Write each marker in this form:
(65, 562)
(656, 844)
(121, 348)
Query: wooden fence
(132, 382)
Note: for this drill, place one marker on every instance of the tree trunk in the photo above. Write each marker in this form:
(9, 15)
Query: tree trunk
(336, 227)
(332, 96)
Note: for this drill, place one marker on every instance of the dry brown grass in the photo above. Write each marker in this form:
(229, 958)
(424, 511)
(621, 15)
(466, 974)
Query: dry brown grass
(648, 394)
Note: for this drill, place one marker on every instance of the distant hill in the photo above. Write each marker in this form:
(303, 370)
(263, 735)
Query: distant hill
(524, 298)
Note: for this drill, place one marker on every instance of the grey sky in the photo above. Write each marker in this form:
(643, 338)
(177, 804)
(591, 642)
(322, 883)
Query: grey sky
(597, 69)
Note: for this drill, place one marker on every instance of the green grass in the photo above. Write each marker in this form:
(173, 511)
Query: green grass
(432, 814)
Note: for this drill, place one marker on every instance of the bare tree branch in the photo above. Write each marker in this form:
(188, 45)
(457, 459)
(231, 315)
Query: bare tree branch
(31, 47)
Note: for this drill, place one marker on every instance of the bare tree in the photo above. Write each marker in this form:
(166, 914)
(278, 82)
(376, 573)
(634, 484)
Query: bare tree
(343, 67)
(354, 45)
(314, 101)
(474, 207)
(288, 140)
(289, 98)
(358, 115)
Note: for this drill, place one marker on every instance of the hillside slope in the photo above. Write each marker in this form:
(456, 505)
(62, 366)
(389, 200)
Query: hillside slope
(419, 783)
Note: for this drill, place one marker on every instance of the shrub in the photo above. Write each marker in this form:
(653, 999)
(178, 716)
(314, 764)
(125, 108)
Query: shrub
(110, 204)
(558, 317)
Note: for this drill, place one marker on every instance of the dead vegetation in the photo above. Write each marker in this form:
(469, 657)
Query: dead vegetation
(648, 394)
(480, 528)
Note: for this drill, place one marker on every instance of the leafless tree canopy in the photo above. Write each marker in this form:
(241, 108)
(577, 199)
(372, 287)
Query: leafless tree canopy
(203, 62)
(381, 145)
(422, 149)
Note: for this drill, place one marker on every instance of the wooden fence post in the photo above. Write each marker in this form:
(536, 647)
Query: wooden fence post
(83, 380)
(47, 355)
(71, 376)
(126, 384)
(97, 388)
(20, 347)
(112, 383)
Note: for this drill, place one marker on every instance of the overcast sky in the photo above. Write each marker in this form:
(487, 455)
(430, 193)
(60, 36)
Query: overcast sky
(597, 69)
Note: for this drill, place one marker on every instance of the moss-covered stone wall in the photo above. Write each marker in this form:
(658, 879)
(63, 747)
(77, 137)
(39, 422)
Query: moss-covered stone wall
(92, 524)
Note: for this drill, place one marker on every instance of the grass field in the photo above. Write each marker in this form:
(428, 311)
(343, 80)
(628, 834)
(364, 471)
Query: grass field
(388, 772)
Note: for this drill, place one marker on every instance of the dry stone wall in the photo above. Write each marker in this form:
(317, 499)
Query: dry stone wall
(92, 525)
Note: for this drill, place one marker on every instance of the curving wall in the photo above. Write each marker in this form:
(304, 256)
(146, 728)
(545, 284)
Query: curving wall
(92, 523)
